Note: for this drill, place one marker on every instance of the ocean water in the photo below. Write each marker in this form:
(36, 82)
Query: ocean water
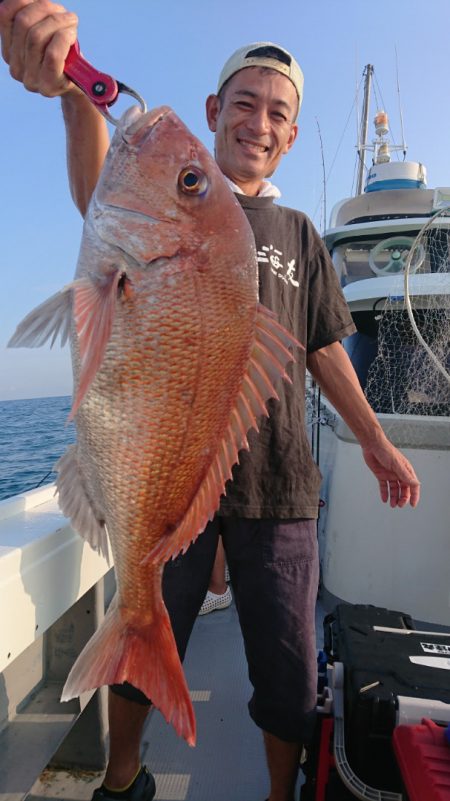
(33, 435)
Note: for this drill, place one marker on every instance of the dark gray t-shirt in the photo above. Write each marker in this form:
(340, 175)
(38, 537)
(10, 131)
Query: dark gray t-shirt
(278, 477)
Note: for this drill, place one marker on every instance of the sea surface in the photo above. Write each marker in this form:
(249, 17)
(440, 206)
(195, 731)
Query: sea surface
(33, 435)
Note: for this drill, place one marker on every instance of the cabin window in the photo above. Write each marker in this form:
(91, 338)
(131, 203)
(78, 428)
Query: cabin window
(351, 262)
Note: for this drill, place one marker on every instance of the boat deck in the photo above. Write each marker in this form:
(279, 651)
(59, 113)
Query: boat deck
(228, 762)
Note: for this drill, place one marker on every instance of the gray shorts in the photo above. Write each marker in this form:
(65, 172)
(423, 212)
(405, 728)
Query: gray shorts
(274, 574)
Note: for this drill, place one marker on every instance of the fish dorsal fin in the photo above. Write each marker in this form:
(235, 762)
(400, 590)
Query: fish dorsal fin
(94, 307)
(269, 356)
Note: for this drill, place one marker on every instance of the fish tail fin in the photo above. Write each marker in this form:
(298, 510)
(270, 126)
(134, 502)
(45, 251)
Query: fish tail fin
(146, 656)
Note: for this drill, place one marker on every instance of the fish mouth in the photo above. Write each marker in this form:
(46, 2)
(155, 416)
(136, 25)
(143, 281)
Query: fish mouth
(136, 126)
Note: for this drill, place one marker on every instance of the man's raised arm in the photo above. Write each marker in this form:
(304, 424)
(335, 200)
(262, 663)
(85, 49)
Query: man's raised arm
(36, 36)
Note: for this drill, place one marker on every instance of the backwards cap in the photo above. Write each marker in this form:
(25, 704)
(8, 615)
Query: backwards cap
(264, 54)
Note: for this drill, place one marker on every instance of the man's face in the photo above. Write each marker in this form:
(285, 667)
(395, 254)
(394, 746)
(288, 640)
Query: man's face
(254, 125)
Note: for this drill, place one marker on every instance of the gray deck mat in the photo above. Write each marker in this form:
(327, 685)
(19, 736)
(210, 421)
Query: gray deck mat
(228, 761)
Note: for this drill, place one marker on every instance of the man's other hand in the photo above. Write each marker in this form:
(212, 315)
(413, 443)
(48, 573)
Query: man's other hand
(396, 478)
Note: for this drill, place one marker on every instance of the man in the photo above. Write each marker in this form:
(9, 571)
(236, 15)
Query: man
(267, 519)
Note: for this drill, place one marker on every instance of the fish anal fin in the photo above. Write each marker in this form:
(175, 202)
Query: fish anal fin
(75, 504)
(93, 309)
(268, 359)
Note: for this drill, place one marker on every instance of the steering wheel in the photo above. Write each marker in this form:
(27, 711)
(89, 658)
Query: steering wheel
(398, 248)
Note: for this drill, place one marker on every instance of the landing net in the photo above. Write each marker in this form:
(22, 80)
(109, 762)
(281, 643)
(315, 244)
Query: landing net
(411, 372)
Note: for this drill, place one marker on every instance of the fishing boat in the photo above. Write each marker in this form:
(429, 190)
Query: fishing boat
(57, 587)
(390, 246)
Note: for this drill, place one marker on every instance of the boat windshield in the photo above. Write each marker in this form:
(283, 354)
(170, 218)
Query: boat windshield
(385, 255)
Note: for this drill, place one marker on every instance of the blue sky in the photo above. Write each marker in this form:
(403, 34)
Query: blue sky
(172, 51)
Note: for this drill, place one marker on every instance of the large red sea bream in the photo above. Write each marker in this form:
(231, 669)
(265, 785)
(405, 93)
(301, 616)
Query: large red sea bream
(173, 361)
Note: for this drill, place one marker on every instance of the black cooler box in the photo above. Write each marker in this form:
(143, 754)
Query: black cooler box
(380, 666)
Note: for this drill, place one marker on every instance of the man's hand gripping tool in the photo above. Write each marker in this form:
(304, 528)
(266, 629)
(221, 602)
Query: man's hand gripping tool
(101, 89)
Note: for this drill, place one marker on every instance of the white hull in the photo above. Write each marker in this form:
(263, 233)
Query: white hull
(389, 557)
(370, 553)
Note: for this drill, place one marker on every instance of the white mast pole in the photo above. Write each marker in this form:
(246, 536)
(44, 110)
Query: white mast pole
(368, 71)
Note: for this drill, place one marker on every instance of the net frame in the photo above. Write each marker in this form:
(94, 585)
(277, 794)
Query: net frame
(418, 242)
(407, 378)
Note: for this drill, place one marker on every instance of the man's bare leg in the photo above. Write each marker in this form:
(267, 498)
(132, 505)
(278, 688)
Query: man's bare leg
(217, 583)
(283, 761)
(126, 722)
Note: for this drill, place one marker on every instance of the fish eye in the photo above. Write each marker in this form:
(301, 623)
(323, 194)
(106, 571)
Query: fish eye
(192, 181)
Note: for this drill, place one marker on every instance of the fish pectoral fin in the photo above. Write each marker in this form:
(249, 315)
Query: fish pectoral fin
(268, 358)
(50, 319)
(94, 304)
(75, 504)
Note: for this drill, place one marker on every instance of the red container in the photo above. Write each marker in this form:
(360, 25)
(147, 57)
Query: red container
(423, 756)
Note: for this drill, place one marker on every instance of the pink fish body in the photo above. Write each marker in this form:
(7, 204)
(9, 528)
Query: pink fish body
(174, 359)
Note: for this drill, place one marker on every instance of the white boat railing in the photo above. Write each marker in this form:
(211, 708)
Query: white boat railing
(52, 597)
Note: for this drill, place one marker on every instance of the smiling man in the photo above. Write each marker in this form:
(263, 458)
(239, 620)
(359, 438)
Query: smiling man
(253, 114)
(268, 518)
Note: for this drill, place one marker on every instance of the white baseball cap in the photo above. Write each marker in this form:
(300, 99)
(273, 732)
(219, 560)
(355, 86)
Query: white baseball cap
(264, 54)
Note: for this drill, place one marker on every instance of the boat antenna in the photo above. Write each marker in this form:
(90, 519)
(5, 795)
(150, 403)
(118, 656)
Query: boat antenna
(324, 178)
(400, 106)
(368, 72)
(330, 170)
(358, 87)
